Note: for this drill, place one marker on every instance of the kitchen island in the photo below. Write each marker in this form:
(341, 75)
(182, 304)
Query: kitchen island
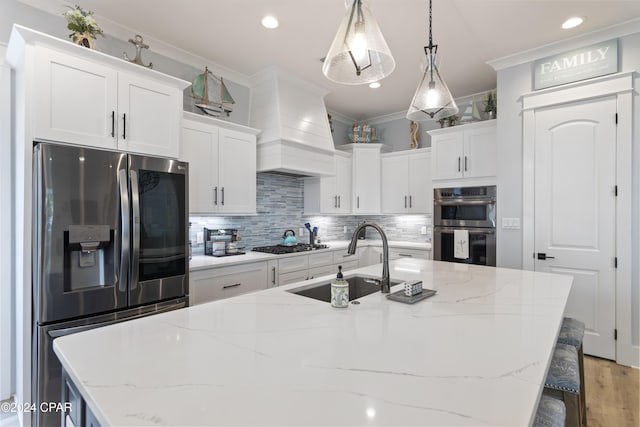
(476, 353)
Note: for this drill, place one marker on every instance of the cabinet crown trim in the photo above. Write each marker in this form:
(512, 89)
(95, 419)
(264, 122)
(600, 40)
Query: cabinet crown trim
(219, 123)
(467, 126)
(23, 36)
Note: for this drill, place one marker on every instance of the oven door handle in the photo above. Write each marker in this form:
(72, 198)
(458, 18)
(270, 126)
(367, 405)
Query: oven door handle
(455, 202)
(470, 230)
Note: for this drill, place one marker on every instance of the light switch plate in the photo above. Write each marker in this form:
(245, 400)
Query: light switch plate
(200, 237)
(423, 230)
(511, 223)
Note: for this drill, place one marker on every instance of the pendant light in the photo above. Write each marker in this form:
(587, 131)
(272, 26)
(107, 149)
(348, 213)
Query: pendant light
(359, 53)
(432, 99)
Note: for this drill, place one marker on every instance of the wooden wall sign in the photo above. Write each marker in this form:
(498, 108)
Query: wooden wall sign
(579, 64)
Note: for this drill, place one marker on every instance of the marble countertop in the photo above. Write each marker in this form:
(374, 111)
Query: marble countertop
(476, 353)
(203, 262)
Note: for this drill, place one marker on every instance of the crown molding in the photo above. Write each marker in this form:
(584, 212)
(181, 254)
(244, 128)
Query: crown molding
(607, 33)
(387, 118)
(158, 46)
(339, 117)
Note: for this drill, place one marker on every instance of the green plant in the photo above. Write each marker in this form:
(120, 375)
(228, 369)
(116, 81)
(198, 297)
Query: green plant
(81, 22)
(490, 102)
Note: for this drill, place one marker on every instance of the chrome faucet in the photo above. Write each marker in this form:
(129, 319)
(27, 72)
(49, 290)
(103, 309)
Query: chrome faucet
(384, 282)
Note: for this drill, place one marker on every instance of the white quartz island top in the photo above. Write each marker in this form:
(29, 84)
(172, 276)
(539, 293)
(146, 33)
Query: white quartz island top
(476, 354)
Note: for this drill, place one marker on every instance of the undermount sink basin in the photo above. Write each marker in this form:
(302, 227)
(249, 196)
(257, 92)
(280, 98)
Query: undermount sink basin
(359, 286)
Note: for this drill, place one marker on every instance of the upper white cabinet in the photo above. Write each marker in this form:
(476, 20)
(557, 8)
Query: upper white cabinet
(222, 165)
(406, 182)
(330, 194)
(365, 198)
(467, 151)
(92, 101)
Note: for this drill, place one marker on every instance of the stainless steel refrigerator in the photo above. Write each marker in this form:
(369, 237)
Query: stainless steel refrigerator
(110, 244)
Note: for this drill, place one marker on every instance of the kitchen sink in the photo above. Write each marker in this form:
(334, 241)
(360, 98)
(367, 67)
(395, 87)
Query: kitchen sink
(359, 286)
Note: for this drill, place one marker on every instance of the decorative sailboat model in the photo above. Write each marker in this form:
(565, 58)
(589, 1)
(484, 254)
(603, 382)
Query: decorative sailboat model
(211, 95)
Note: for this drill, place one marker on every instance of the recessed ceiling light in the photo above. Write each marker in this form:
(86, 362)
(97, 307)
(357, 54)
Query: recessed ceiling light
(374, 85)
(572, 22)
(270, 22)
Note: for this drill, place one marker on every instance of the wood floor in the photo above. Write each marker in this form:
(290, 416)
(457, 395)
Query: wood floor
(613, 394)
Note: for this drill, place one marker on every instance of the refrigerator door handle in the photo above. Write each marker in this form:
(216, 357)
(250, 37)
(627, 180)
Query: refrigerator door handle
(125, 227)
(68, 331)
(135, 208)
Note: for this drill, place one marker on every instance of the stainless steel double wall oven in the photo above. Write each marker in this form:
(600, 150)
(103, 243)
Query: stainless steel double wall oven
(465, 208)
(110, 244)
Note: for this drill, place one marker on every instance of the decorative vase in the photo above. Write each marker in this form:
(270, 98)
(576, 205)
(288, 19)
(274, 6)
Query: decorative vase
(84, 39)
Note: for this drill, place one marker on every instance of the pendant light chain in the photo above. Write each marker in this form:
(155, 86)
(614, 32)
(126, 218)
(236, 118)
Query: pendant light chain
(430, 36)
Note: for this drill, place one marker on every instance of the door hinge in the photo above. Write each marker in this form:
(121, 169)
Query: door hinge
(616, 118)
(615, 335)
(615, 262)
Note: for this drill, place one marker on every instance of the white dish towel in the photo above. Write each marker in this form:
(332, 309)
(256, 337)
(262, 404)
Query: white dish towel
(461, 244)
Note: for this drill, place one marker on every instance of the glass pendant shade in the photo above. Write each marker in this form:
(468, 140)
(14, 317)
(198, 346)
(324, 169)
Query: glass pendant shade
(432, 99)
(359, 54)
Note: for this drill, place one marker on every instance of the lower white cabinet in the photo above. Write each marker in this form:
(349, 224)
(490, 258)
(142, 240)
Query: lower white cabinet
(397, 253)
(224, 282)
(306, 267)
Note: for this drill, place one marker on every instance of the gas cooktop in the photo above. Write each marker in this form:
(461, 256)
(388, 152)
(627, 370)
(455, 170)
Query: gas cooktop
(288, 249)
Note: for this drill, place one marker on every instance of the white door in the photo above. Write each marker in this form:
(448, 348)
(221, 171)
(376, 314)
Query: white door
(237, 172)
(447, 155)
(575, 172)
(343, 183)
(200, 149)
(420, 187)
(77, 100)
(479, 153)
(395, 184)
(149, 116)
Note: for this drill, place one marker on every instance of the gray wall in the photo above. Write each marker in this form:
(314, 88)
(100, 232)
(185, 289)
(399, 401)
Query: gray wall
(19, 13)
(280, 207)
(514, 82)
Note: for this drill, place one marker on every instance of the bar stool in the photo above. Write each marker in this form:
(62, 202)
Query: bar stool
(551, 413)
(572, 333)
(563, 382)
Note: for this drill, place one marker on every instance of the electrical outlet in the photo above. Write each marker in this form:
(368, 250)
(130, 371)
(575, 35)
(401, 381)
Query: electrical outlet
(200, 237)
(423, 230)
(344, 229)
(300, 231)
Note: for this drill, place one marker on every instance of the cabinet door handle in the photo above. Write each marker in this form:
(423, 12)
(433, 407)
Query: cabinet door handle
(410, 202)
(124, 126)
(222, 201)
(405, 202)
(335, 201)
(231, 286)
(215, 196)
(380, 257)
(113, 124)
(273, 276)
(358, 202)
(465, 163)
(406, 255)
(458, 164)
(339, 202)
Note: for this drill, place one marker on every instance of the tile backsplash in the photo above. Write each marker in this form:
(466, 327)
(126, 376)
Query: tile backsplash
(280, 207)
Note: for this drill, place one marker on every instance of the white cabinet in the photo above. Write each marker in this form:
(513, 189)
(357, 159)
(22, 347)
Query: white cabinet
(467, 151)
(84, 101)
(366, 178)
(370, 255)
(406, 182)
(305, 267)
(398, 253)
(222, 167)
(347, 261)
(225, 282)
(330, 194)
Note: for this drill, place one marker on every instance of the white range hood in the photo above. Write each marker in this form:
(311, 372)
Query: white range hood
(295, 137)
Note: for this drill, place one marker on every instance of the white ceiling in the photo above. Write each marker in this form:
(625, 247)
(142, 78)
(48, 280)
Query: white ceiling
(468, 32)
